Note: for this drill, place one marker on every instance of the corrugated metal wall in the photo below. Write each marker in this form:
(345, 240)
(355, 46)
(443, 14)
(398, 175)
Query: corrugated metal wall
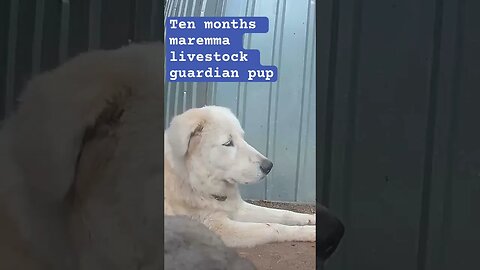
(399, 140)
(38, 35)
(279, 118)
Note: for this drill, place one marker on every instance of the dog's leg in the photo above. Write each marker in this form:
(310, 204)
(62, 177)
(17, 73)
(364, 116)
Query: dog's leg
(249, 234)
(253, 213)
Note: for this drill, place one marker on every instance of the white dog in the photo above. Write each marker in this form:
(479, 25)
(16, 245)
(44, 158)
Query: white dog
(206, 157)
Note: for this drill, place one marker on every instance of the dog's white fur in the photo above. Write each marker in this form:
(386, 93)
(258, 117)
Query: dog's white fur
(200, 169)
(80, 165)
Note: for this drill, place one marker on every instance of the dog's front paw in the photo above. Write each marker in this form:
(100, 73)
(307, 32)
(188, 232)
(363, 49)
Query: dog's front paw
(307, 233)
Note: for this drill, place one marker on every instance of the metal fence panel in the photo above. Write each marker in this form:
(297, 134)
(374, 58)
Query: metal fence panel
(278, 118)
(399, 83)
(38, 35)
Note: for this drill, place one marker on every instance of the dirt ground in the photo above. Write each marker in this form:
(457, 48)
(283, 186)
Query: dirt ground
(283, 256)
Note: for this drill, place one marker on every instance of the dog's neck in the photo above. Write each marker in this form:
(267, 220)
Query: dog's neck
(206, 187)
(219, 190)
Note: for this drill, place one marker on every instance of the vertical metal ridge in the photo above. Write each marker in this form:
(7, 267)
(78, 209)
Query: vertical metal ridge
(168, 85)
(132, 14)
(167, 6)
(175, 106)
(193, 8)
(351, 119)
(278, 84)
(11, 58)
(204, 6)
(215, 12)
(168, 10)
(184, 107)
(64, 31)
(241, 86)
(446, 226)
(38, 36)
(330, 100)
(429, 138)
(167, 113)
(153, 24)
(181, 8)
(194, 94)
(94, 23)
(237, 107)
(222, 11)
(218, 12)
(202, 14)
(175, 8)
(206, 94)
(243, 101)
(311, 90)
(214, 92)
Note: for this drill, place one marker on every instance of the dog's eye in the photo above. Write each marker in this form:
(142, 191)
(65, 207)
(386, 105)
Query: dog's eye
(229, 143)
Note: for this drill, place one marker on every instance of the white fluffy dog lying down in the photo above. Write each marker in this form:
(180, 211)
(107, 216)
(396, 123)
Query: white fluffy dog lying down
(206, 157)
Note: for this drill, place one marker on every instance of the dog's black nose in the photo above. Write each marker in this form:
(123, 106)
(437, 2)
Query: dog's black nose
(266, 166)
(330, 231)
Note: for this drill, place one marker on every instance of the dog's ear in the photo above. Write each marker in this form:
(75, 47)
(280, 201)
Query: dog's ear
(184, 133)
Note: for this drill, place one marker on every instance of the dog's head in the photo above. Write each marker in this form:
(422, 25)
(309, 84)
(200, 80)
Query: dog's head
(210, 141)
